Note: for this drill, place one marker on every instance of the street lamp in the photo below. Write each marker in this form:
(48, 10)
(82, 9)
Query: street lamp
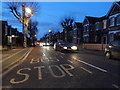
(49, 31)
(50, 36)
(35, 35)
(28, 10)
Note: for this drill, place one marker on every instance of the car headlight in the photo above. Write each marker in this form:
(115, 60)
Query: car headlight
(48, 44)
(74, 47)
(65, 47)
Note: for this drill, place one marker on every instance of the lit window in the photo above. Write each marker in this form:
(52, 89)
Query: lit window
(105, 24)
(118, 20)
(112, 21)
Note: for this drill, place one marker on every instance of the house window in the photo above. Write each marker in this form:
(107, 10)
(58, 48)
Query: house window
(105, 24)
(118, 20)
(111, 37)
(6, 32)
(112, 21)
(97, 26)
(86, 28)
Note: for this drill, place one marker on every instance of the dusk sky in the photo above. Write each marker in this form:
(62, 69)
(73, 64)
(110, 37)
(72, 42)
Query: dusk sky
(51, 14)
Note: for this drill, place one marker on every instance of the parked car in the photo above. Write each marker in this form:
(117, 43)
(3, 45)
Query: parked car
(65, 46)
(112, 50)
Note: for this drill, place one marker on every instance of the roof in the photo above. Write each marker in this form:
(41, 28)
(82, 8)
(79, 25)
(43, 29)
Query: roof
(115, 3)
(118, 3)
(3, 22)
(95, 19)
(78, 24)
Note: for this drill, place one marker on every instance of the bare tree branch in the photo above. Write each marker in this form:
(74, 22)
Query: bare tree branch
(14, 6)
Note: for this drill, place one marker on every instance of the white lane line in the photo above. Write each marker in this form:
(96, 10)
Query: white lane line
(43, 54)
(23, 58)
(86, 70)
(61, 56)
(58, 60)
(91, 65)
(62, 53)
(116, 86)
(70, 61)
(12, 55)
(50, 57)
(27, 54)
(56, 54)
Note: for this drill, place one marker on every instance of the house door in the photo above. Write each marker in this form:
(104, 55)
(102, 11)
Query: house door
(104, 40)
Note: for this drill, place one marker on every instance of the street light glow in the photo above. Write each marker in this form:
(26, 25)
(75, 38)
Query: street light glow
(49, 30)
(28, 10)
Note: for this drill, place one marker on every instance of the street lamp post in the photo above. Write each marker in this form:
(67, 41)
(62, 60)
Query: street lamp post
(25, 23)
(50, 36)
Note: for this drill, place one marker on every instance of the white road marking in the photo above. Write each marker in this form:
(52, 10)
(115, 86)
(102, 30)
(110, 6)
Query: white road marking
(67, 69)
(62, 53)
(13, 81)
(23, 58)
(47, 59)
(42, 60)
(39, 72)
(56, 54)
(70, 61)
(86, 70)
(116, 86)
(27, 54)
(103, 70)
(58, 60)
(61, 56)
(53, 74)
(34, 61)
(43, 54)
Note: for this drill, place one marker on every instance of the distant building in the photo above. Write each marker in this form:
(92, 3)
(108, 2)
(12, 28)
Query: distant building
(103, 29)
(78, 33)
(5, 33)
(89, 33)
(11, 37)
(68, 34)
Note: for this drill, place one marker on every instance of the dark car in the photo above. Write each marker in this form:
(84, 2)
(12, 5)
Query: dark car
(112, 50)
(65, 46)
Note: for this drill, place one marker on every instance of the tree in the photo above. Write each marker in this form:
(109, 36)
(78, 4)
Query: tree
(67, 25)
(16, 8)
(23, 17)
(32, 30)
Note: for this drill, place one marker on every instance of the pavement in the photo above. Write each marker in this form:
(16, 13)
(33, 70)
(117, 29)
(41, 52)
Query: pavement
(11, 57)
(46, 68)
(95, 52)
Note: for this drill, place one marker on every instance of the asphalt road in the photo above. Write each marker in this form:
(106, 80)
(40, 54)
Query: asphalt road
(46, 68)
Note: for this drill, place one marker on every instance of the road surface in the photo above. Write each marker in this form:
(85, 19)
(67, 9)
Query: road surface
(46, 68)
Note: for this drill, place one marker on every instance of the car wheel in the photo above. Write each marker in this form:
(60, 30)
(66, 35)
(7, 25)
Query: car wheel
(108, 55)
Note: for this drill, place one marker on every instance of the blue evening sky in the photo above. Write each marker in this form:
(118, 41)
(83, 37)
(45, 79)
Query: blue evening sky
(50, 14)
